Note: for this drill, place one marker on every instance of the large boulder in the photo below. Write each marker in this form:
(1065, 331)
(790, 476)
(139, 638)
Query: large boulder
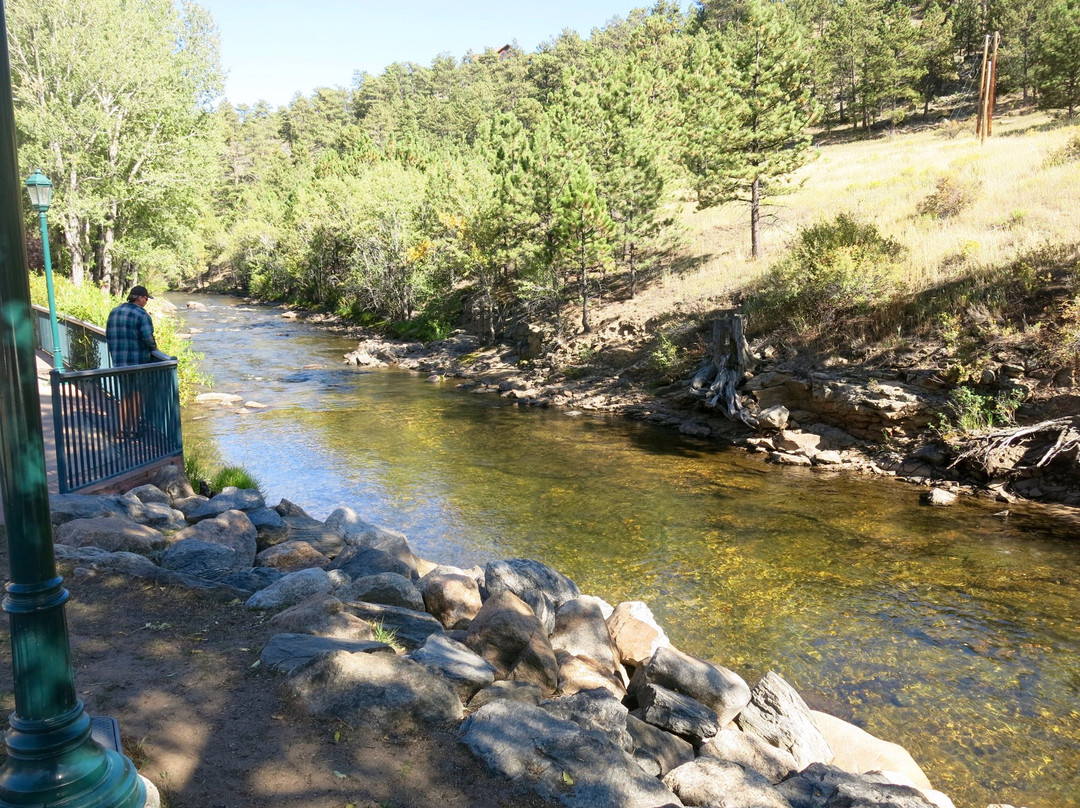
(291, 589)
(230, 499)
(110, 533)
(253, 579)
(173, 482)
(710, 781)
(387, 588)
(857, 751)
(93, 559)
(676, 713)
(202, 559)
(453, 598)
(665, 748)
(323, 616)
(290, 556)
(411, 628)
(66, 507)
(318, 535)
(525, 692)
(577, 673)
(508, 634)
(455, 662)
(581, 631)
(635, 632)
(383, 689)
(287, 652)
(822, 786)
(751, 752)
(778, 714)
(595, 710)
(358, 533)
(269, 525)
(230, 529)
(360, 562)
(721, 690)
(576, 767)
(542, 587)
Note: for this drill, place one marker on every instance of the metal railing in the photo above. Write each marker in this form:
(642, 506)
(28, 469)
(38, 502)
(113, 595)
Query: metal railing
(108, 422)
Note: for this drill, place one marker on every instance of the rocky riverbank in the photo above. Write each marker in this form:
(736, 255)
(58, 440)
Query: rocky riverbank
(582, 702)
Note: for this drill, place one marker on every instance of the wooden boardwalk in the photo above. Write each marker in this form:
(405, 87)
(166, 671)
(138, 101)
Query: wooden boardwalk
(44, 390)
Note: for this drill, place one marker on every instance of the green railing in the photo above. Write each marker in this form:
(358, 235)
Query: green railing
(108, 422)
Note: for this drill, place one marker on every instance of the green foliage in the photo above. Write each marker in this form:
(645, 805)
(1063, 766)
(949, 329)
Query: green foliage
(386, 635)
(234, 476)
(199, 468)
(834, 268)
(1057, 68)
(952, 194)
(969, 411)
(665, 357)
(1069, 153)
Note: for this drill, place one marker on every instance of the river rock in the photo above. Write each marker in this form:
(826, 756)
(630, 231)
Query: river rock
(291, 556)
(595, 710)
(384, 689)
(286, 508)
(508, 634)
(635, 632)
(527, 578)
(751, 752)
(778, 714)
(361, 562)
(202, 559)
(581, 630)
(857, 751)
(173, 482)
(358, 533)
(411, 628)
(525, 692)
(230, 499)
(577, 768)
(323, 616)
(387, 588)
(721, 690)
(774, 417)
(578, 673)
(66, 507)
(253, 579)
(270, 526)
(666, 749)
(710, 781)
(149, 493)
(110, 533)
(291, 589)
(823, 786)
(676, 713)
(453, 598)
(304, 528)
(938, 497)
(287, 652)
(455, 662)
(230, 529)
(225, 399)
(187, 505)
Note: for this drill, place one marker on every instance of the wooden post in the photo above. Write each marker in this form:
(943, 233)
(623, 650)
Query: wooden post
(992, 88)
(979, 131)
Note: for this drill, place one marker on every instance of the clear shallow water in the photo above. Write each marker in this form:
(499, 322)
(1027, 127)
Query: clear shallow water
(949, 631)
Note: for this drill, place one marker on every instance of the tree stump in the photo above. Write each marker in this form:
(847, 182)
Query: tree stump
(718, 379)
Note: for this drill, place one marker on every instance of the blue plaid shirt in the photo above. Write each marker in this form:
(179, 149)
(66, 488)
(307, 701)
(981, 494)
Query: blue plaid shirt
(130, 334)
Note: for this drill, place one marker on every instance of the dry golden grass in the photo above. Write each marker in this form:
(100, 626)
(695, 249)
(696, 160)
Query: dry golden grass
(1020, 201)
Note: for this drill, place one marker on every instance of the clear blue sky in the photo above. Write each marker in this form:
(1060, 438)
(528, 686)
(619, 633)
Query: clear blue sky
(274, 49)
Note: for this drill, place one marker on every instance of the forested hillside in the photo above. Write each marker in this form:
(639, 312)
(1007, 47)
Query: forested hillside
(507, 187)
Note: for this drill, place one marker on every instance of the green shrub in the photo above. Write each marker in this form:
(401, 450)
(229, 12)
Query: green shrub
(951, 195)
(1069, 153)
(833, 268)
(968, 411)
(234, 476)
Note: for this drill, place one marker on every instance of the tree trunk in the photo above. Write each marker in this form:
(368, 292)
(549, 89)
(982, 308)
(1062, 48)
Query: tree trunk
(633, 271)
(73, 242)
(719, 378)
(584, 289)
(755, 218)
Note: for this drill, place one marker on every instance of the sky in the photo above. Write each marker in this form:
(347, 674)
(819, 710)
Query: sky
(274, 49)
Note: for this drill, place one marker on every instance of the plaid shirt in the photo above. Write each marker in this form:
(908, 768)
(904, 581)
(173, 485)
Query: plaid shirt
(130, 334)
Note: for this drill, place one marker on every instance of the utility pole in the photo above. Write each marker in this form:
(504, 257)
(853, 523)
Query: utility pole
(52, 758)
(984, 122)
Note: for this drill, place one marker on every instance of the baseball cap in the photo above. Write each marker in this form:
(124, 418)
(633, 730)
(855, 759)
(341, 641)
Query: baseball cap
(139, 291)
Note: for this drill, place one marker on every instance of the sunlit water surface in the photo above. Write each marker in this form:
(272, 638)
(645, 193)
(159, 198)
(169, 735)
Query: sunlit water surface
(950, 631)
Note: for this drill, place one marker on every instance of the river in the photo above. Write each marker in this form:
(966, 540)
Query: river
(951, 631)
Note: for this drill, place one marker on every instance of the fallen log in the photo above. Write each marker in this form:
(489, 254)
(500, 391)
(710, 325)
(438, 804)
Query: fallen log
(1010, 452)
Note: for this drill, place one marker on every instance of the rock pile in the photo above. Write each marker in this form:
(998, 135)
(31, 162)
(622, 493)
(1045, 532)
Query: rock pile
(588, 703)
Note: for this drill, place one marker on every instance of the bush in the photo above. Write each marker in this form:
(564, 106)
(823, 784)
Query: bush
(1069, 153)
(969, 411)
(951, 195)
(833, 268)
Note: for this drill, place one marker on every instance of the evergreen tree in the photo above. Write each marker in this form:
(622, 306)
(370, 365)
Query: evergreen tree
(1057, 71)
(583, 232)
(938, 56)
(747, 111)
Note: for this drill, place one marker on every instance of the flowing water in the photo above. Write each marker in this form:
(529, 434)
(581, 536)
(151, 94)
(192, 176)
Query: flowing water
(951, 631)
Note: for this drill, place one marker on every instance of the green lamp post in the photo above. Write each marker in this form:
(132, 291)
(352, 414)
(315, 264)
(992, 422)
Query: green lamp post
(40, 190)
(52, 759)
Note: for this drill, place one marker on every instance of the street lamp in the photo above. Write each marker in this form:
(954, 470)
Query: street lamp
(40, 190)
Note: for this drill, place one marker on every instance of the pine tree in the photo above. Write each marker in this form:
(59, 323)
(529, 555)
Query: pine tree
(583, 231)
(747, 111)
(1057, 71)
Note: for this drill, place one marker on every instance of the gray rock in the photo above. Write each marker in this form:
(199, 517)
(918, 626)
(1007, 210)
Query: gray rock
(774, 417)
(721, 690)
(711, 781)
(147, 494)
(360, 562)
(162, 517)
(66, 507)
(290, 556)
(595, 710)
(358, 533)
(751, 752)
(287, 652)
(508, 635)
(938, 497)
(269, 525)
(668, 750)
(323, 616)
(578, 768)
(579, 673)
(173, 482)
(304, 528)
(455, 662)
(202, 559)
(635, 632)
(230, 529)
(411, 628)
(452, 598)
(525, 692)
(230, 499)
(286, 508)
(581, 630)
(822, 786)
(253, 579)
(383, 689)
(110, 533)
(387, 588)
(291, 589)
(676, 713)
(531, 580)
(189, 505)
(778, 714)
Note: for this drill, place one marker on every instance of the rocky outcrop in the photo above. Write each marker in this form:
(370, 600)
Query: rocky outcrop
(543, 668)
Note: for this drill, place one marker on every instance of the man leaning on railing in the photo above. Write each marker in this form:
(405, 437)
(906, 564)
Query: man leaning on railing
(130, 335)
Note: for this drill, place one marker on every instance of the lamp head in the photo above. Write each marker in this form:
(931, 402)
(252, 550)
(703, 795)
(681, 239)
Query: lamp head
(40, 190)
